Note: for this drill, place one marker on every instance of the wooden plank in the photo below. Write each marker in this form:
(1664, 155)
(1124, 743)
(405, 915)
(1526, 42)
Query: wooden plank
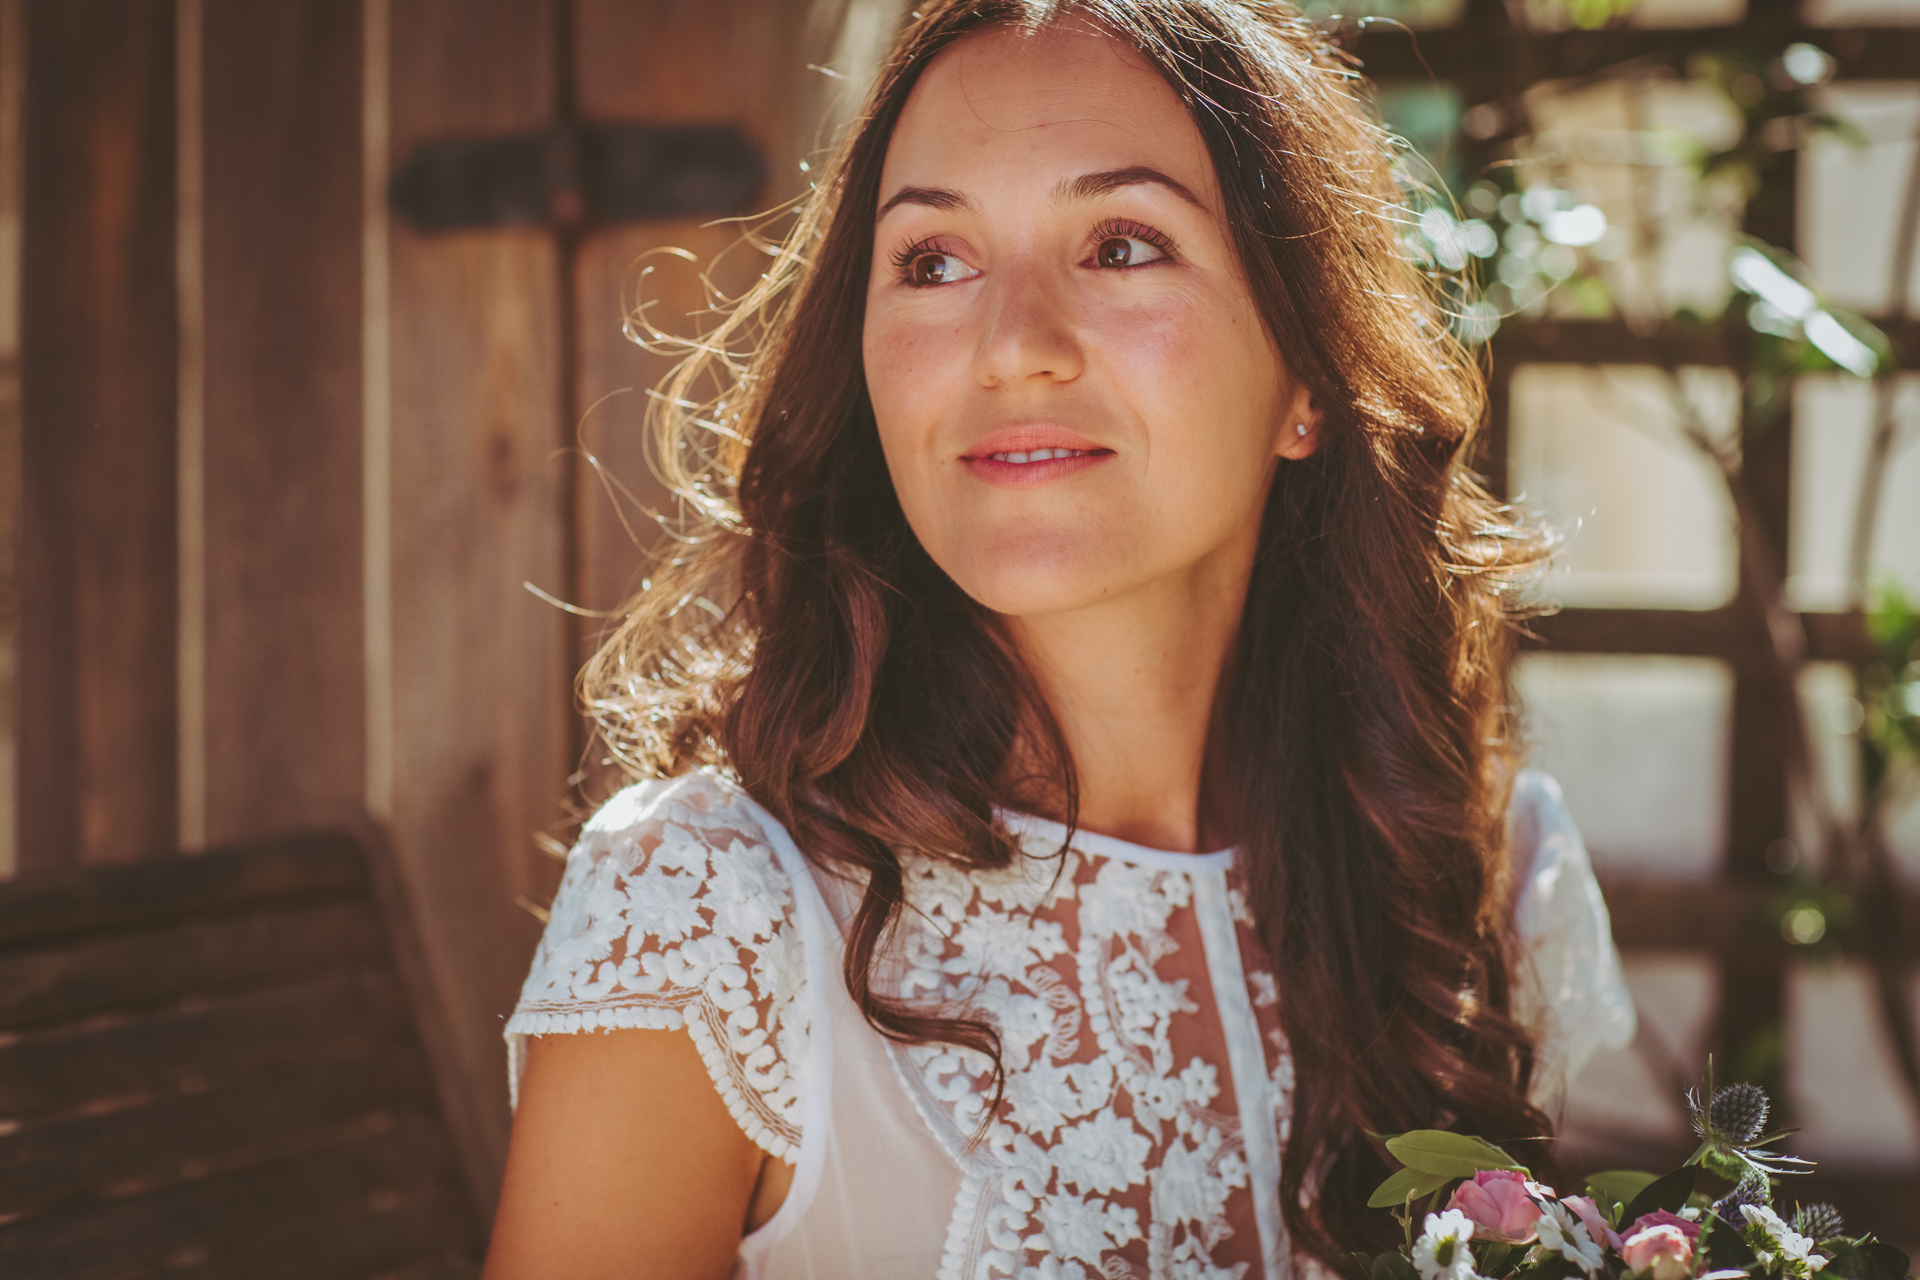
(135, 1233)
(1713, 633)
(213, 1045)
(740, 62)
(432, 1030)
(1726, 342)
(145, 970)
(1476, 55)
(38, 909)
(13, 67)
(421, 1231)
(285, 690)
(1575, 341)
(481, 677)
(1712, 915)
(97, 701)
(76, 1158)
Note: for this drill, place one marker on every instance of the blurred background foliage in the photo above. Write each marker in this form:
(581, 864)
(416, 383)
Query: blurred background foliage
(1658, 194)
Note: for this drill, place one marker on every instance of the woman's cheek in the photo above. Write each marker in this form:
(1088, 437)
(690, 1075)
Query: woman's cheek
(1159, 352)
(903, 365)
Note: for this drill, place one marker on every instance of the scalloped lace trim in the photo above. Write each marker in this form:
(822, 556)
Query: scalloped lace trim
(674, 912)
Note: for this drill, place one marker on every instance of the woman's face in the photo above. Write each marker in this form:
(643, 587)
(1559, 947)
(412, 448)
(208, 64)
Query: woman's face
(1075, 392)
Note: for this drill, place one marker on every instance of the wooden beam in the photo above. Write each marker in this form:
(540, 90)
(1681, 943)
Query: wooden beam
(739, 62)
(1726, 342)
(1715, 916)
(1705, 633)
(97, 602)
(480, 669)
(1479, 57)
(284, 686)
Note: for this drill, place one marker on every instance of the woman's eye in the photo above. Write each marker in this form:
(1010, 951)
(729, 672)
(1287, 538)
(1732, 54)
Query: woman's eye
(1126, 251)
(937, 268)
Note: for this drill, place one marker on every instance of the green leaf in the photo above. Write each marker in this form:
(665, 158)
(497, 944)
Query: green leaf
(1669, 1193)
(1392, 1266)
(1552, 1267)
(1865, 1259)
(1893, 1263)
(1615, 1188)
(1725, 1247)
(1452, 1154)
(1492, 1256)
(1408, 1183)
(1846, 1262)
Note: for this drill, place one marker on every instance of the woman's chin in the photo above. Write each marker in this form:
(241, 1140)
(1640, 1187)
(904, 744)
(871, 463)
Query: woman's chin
(1027, 591)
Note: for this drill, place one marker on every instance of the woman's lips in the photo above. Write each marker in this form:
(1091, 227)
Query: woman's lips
(1020, 457)
(1000, 469)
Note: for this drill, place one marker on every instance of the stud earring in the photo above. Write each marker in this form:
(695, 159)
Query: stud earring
(1300, 429)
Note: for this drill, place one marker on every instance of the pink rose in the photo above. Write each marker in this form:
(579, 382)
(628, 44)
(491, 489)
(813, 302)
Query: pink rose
(1589, 1213)
(1498, 1203)
(1661, 1218)
(1662, 1243)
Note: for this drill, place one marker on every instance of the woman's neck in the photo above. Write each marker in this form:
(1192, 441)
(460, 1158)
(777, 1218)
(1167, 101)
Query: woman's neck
(1134, 685)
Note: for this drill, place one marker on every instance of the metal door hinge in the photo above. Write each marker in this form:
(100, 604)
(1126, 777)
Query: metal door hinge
(568, 178)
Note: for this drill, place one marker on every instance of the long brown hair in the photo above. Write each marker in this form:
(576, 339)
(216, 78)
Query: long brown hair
(801, 637)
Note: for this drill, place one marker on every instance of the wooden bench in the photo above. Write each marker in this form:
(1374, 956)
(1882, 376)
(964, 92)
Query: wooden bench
(218, 1066)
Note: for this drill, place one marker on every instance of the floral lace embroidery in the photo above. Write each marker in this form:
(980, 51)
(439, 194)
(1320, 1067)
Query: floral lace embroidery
(674, 911)
(1109, 1158)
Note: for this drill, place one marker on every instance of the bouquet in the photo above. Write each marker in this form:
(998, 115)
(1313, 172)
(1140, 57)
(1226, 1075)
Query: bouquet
(1499, 1224)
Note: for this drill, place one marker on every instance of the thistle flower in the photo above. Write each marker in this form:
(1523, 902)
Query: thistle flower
(1730, 1121)
(1820, 1221)
(1753, 1189)
(1738, 1113)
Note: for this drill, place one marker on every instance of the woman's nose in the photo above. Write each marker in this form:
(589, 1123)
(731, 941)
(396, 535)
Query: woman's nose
(1029, 334)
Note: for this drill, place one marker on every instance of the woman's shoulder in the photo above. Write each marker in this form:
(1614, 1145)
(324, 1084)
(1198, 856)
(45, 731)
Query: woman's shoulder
(673, 863)
(683, 906)
(705, 805)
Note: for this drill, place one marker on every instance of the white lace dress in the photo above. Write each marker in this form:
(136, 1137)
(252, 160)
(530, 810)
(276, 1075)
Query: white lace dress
(1148, 1081)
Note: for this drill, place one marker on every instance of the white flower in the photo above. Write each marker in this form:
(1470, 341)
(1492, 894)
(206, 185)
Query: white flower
(1563, 1233)
(1192, 1183)
(1104, 1153)
(1047, 1095)
(1083, 1230)
(662, 905)
(1795, 1250)
(1441, 1252)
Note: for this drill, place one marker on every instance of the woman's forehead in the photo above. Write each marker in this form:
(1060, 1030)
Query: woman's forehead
(1006, 104)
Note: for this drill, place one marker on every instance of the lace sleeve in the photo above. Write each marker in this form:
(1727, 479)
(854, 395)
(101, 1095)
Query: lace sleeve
(1568, 985)
(675, 911)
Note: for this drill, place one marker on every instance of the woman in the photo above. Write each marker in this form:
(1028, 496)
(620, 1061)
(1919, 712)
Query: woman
(1093, 499)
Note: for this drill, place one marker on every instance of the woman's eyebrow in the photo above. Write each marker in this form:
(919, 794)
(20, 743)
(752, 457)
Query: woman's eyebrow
(1091, 186)
(931, 197)
(1088, 186)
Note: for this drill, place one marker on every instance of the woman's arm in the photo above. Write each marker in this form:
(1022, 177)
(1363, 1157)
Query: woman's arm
(624, 1163)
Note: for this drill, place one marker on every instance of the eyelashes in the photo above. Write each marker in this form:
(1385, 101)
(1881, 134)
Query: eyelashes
(1127, 229)
(905, 260)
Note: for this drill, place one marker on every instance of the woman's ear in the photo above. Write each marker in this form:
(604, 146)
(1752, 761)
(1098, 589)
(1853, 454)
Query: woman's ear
(1300, 432)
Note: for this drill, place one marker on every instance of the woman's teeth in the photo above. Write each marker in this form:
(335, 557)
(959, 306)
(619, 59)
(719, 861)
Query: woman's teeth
(1038, 455)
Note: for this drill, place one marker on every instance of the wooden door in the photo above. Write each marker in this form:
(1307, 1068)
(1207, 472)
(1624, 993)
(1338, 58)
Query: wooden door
(289, 463)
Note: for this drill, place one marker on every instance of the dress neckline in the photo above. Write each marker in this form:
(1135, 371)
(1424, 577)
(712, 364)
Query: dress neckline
(1049, 835)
